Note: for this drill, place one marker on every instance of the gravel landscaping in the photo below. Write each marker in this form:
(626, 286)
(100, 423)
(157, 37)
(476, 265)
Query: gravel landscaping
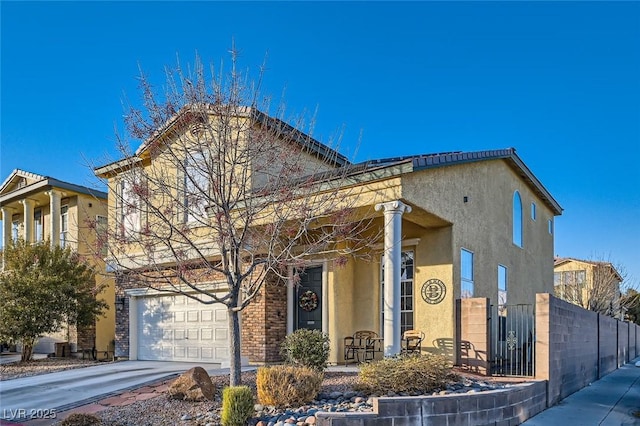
(16, 370)
(337, 394)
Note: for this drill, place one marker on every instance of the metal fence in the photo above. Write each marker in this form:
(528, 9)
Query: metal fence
(513, 340)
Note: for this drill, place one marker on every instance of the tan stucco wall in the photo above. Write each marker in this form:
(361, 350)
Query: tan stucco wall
(483, 225)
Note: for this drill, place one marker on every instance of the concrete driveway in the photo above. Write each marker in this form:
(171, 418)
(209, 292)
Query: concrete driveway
(68, 389)
(8, 358)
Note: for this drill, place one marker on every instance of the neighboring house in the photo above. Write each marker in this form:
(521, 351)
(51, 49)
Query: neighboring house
(471, 224)
(39, 208)
(593, 285)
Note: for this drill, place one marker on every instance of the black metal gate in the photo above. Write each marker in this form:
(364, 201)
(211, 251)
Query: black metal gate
(513, 340)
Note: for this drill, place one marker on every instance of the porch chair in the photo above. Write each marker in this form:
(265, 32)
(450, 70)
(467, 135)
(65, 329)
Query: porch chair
(363, 342)
(412, 341)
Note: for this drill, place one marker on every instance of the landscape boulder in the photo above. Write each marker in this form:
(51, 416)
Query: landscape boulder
(192, 385)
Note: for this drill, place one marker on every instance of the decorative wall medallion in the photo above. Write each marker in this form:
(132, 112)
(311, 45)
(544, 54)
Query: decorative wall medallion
(433, 291)
(308, 301)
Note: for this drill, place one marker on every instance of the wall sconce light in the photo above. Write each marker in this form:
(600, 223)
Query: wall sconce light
(120, 303)
(465, 199)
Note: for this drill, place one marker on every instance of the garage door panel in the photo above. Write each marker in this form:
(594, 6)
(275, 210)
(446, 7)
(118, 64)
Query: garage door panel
(181, 329)
(206, 334)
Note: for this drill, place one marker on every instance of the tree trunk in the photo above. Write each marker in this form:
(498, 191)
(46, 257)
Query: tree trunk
(234, 343)
(27, 349)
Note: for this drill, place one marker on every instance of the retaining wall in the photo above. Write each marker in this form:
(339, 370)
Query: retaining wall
(503, 407)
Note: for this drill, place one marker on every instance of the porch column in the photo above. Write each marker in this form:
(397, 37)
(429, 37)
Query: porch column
(54, 217)
(27, 219)
(393, 211)
(7, 219)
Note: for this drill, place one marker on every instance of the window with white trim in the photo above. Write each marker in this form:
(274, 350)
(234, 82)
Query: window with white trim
(517, 219)
(466, 274)
(550, 226)
(38, 225)
(15, 230)
(128, 207)
(101, 231)
(406, 293)
(64, 226)
(196, 187)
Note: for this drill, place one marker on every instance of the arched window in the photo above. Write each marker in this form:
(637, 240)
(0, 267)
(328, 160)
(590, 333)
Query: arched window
(517, 219)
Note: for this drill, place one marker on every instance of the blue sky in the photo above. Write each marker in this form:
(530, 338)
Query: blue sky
(559, 81)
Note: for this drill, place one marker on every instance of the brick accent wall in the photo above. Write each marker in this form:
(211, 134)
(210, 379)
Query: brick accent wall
(122, 317)
(86, 337)
(264, 323)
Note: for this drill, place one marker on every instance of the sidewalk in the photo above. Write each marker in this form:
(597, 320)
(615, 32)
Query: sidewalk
(612, 400)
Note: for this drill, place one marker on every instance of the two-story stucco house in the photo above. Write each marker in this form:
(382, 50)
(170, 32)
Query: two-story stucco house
(458, 224)
(593, 285)
(40, 208)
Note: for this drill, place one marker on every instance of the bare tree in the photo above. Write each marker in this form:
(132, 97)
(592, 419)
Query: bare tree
(596, 286)
(220, 198)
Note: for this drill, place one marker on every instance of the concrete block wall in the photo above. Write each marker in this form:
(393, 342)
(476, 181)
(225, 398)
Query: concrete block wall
(575, 347)
(505, 407)
(474, 334)
(566, 346)
(632, 341)
(607, 344)
(623, 343)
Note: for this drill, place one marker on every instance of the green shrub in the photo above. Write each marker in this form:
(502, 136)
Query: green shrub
(237, 405)
(308, 348)
(81, 419)
(284, 385)
(409, 374)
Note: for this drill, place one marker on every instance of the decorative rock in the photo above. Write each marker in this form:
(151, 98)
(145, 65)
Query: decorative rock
(311, 420)
(350, 394)
(335, 395)
(258, 407)
(186, 417)
(193, 385)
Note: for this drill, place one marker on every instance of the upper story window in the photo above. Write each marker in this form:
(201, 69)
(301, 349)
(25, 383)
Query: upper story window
(550, 226)
(196, 187)
(533, 211)
(64, 226)
(39, 225)
(466, 274)
(406, 293)
(517, 219)
(569, 284)
(102, 232)
(128, 207)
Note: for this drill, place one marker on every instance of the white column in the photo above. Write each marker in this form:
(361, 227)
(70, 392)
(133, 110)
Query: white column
(7, 219)
(393, 211)
(54, 217)
(27, 219)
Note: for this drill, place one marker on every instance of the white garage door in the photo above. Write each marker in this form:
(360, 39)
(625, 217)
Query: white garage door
(177, 328)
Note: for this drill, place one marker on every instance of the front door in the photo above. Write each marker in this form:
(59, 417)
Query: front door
(309, 300)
